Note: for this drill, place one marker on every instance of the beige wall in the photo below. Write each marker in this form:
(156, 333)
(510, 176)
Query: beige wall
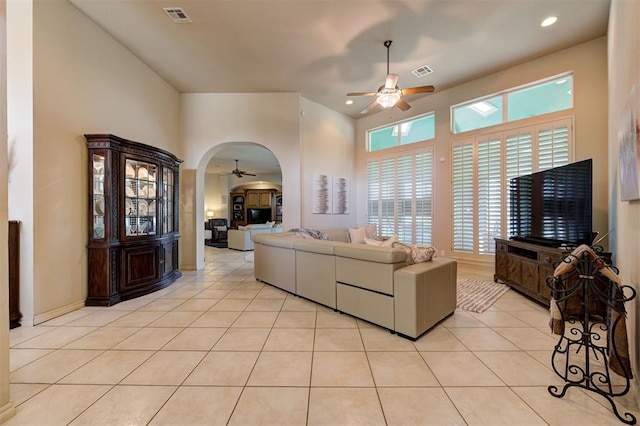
(7, 408)
(327, 148)
(240, 117)
(587, 61)
(624, 74)
(83, 82)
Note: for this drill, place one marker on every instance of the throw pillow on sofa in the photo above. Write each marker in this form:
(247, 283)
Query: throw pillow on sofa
(381, 243)
(371, 229)
(309, 233)
(416, 253)
(357, 235)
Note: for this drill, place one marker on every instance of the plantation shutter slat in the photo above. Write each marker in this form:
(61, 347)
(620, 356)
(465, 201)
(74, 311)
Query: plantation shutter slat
(463, 209)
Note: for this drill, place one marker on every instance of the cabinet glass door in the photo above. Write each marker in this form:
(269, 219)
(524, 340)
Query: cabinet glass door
(98, 196)
(168, 188)
(140, 188)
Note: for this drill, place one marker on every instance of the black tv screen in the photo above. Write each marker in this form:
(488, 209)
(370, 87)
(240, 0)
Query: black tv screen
(259, 215)
(553, 207)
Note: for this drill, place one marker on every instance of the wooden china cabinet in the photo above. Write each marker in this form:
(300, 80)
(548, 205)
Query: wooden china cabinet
(133, 219)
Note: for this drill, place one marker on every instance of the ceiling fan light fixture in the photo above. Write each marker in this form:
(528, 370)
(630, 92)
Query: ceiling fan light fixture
(388, 98)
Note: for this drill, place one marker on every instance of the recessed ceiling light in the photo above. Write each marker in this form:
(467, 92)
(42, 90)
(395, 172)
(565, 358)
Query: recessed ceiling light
(549, 21)
(349, 102)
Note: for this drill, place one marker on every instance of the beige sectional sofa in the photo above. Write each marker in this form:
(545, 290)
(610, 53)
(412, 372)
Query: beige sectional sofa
(369, 282)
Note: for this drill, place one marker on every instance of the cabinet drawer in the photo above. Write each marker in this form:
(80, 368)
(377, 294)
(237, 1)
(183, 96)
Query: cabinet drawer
(548, 259)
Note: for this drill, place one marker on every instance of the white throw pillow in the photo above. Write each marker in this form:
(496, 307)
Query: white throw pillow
(357, 235)
(271, 223)
(372, 242)
(381, 243)
(371, 229)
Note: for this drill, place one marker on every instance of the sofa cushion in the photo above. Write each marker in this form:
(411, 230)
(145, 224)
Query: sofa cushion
(371, 229)
(309, 233)
(314, 246)
(259, 226)
(276, 240)
(339, 234)
(381, 243)
(370, 253)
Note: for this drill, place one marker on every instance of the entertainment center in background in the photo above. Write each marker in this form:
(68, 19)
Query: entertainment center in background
(255, 206)
(550, 213)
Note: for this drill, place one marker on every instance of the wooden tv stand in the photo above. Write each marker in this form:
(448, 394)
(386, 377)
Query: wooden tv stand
(525, 266)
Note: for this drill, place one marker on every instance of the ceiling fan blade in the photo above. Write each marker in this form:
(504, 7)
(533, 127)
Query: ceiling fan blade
(370, 106)
(402, 105)
(248, 174)
(419, 89)
(391, 81)
(362, 94)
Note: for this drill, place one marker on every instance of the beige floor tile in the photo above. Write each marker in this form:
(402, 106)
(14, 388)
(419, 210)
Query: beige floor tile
(575, 408)
(380, 339)
(336, 339)
(25, 332)
(461, 318)
(103, 338)
(21, 357)
(533, 318)
(418, 406)
(231, 305)
(242, 339)
(195, 339)
(439, 339)
(132, 405)
(99, 318)
(239, 293)
(282, 369)
(529, 339)
(492, 406)
(271, 406)
(165, 368)
(131, 305)
(516, 303)
(67, 318)
(212, 293)
(198, 406)
(296, 320)
(255, 320)
(68, 400)
(329, 319)
(136, 319)
(223, 369)
(400, 369)
(483, 339)
(216, 319)
(224, 285)
(497, 319)
(21, 392)
(342, 406)
(184, 293)
(197, 305)
(519, 368)
(290, 339)
(176, 319)
(56, 338)
(362, 324)
(163, 305)
(269, 292)
(447, 368)
(297, 304)
(265, 305)
(108, 369)
(52, 367)
(341, 369)
(148, 339)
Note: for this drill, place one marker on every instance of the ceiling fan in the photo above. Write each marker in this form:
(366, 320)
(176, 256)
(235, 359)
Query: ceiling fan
(390, 95)
(239, 173)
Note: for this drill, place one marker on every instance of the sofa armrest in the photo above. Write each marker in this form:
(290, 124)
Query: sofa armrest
(424, 294)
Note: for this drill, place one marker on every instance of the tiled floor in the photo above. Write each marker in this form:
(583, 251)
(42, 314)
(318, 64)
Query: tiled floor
(218, 347)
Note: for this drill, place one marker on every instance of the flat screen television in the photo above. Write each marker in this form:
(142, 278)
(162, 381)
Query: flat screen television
(259, 215)
(553, 207)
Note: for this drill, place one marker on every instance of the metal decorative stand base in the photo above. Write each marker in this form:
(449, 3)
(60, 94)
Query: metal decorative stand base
(592, 308)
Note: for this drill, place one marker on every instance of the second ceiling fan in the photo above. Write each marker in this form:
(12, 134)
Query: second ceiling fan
(239, 173)
(389, 94)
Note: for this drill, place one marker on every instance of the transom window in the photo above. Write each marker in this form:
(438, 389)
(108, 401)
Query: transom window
(402, 133)
(555, 94)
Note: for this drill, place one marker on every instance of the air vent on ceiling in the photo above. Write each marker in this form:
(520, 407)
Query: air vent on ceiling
(422, 71)
(177, 15)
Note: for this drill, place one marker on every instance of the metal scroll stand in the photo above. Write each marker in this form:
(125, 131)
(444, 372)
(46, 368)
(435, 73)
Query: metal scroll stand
(583, 353)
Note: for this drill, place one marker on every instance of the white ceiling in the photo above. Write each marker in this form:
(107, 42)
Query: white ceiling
(324, 49)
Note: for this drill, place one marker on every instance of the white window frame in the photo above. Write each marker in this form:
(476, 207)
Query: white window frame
(506, 131)
(393, 227)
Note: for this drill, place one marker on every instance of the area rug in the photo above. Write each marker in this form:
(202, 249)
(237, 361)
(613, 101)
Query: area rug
(477, 296)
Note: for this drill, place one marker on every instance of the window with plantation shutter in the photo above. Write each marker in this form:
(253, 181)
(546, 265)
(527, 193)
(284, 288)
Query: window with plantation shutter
(400, 195)
(481, 170)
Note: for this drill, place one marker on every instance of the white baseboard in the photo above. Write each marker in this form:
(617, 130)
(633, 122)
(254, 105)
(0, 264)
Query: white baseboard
(7, 411)
(39, 319)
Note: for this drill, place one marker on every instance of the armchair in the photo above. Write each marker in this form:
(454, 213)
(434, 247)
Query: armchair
(219, 229)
